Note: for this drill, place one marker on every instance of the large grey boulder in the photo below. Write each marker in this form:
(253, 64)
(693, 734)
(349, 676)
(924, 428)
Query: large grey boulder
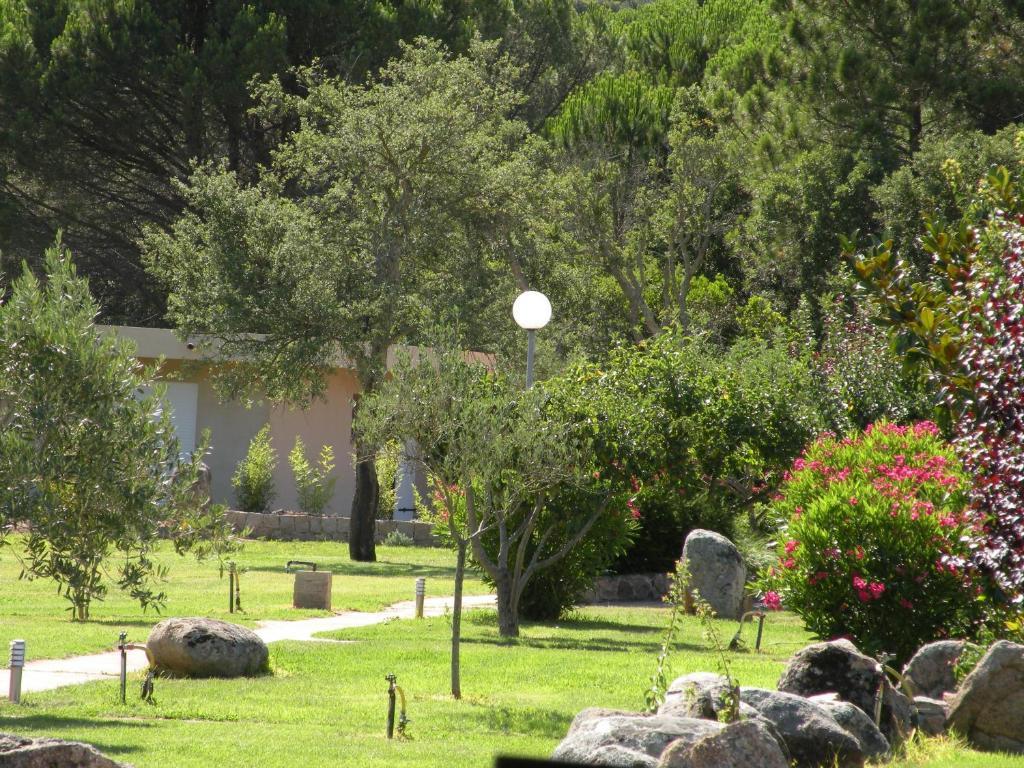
(989, 705)
(812, 735)
(716, 571)
(872, 743)
(931, 671)
(744, 744)
(20, 752)
(626, 739)
(838, 667)
(198, 647)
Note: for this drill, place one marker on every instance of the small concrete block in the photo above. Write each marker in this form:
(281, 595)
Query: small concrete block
(312, 590)
(301, 524)
(422, 533)
(329, 525)
(287, 522)
(384, 527)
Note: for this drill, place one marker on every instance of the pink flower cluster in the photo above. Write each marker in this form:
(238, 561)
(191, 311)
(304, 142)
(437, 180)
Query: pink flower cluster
(867, 591)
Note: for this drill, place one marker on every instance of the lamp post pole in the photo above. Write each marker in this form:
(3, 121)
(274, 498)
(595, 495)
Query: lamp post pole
(532, 311)
(531, 346)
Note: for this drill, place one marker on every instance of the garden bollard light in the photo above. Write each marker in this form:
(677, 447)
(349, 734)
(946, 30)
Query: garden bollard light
(231, 587)
(421, 593)
(17, 664)
(123, 647)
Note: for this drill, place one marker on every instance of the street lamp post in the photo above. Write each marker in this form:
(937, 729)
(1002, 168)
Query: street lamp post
(532, 311)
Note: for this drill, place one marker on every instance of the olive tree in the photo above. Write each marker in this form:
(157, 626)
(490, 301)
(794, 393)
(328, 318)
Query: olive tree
(89, 467)
(494, 454)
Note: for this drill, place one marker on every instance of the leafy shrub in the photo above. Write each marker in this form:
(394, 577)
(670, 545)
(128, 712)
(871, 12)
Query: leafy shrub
(962, 323)
(689, 435)
(556, 589)
(253, 480)
(313, 483)
(989, 435)
(862, 377)
(398, 539)
(874, 548)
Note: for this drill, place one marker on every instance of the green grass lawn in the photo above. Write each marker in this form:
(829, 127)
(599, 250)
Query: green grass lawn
(33, 611)
(325, 703)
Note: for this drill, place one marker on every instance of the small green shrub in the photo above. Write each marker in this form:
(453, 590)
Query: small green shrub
(253, 480)
(398, 539)
(876, 548)
(554, 591)
(314, 484)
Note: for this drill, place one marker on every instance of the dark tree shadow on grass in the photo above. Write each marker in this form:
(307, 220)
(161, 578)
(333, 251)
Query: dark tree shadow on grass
(532, 721)
(380, 568)
(53, 727)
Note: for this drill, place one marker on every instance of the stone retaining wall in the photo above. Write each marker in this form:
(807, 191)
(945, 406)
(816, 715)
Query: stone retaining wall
(293, 527)
(633, 588)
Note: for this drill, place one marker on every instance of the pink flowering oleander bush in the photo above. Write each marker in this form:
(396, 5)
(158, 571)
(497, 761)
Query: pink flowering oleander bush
(876, 547)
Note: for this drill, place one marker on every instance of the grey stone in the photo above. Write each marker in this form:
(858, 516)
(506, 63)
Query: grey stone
(199, 647)
(812, 735)
(931, 715)
(739, 745)
(872, 743)
(716, 571)
(931, 671)
(989, 705)
(698, 694)
(838, 667)
(20, 752)
(609, 737)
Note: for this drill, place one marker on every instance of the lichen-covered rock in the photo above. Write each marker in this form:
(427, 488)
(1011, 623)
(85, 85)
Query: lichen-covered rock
(698, 694)
(812, 735)
(626, 739)
(856, 723)
(931, 715)
(838, 667)
(739, 745)
(989, 704)
(20, 752)
(198, 647)
(932, 670)
(716, 571)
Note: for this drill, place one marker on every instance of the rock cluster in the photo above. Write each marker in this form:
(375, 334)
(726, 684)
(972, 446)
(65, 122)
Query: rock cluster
(822, 714)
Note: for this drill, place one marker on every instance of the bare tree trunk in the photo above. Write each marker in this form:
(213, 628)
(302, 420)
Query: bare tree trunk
(460, 571)
(508, 613)
(363, 517)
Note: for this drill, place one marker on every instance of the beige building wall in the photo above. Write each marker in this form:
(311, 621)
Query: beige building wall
(327, 421)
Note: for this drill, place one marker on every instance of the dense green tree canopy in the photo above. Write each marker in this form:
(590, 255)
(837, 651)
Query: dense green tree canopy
(393, 209)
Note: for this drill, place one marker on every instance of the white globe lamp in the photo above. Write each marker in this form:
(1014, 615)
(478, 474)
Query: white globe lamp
(532, 311)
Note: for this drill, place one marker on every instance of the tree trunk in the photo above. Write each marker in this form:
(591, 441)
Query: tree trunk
(460, 570)
(508, 613)
(363, 517)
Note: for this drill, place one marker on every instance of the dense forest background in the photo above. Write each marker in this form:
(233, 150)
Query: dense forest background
(695, 161)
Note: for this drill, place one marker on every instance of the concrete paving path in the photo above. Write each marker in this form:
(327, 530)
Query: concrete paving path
(47, 674)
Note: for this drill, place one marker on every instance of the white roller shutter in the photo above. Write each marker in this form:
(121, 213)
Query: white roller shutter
(183, 401)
